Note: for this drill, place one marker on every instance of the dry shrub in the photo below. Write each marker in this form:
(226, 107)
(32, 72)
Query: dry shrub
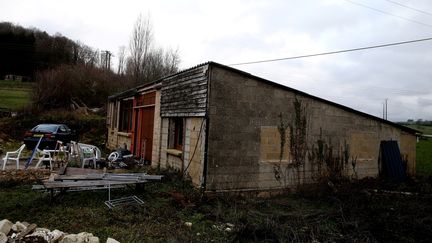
(56, 88)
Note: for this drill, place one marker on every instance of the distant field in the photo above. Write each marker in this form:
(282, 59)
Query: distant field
(14, 95)
(422, 128)
(424, 157)
(424, 151)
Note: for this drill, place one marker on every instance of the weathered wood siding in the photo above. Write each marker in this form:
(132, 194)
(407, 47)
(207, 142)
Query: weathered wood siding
(185, 94)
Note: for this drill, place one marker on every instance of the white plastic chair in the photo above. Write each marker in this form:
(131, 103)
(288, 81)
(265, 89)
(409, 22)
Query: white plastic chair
(89, 154)
(61, 153)
(74, 152)
(14, 155)
(45, 155)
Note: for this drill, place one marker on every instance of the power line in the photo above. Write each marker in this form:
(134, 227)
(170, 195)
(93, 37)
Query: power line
(333, 52)
(384, 12)
(408, 7)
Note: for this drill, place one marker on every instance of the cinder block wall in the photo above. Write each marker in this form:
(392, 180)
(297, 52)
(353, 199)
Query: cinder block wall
(194, 148)
(192, 157)
(244, 114)
(116, 139)
(156, 132)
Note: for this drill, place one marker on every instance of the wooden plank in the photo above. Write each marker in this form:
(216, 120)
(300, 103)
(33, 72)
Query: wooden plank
(190, 114)
(62, 169)
(185, 94)
(73, 184)
(116, 176)
(79, 177)
(82, 171)
(185, 82)
(152, 177)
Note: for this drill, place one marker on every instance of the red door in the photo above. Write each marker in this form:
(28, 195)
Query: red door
(145, 137)
(142, 125)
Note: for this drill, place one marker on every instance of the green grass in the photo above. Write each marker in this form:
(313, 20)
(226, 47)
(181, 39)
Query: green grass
(424, 151)
(350, 215)
(422, 128)
(424, 157)
(14, 95)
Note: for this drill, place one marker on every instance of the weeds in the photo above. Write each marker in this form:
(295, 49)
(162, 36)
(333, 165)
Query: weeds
(346, 212)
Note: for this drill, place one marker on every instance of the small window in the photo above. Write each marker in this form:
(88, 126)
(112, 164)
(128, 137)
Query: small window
(176, 133)
(125, 116)
(114, 115)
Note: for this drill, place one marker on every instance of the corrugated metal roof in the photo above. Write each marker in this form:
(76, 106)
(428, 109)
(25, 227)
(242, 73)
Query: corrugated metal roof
(123, 94)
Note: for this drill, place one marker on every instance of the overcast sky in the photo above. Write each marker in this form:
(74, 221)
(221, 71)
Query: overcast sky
(231, 31)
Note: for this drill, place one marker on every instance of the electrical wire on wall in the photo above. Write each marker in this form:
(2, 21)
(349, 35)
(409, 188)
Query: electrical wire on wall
(196, 146)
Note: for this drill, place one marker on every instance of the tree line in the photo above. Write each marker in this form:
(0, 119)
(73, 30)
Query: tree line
(25, 51)
(64, 70)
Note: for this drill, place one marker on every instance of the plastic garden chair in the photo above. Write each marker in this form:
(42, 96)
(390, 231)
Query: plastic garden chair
(45, 155)
(13, 155)
(88, 155)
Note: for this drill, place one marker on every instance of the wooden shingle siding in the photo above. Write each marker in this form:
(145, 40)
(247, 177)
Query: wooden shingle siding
(185, 94)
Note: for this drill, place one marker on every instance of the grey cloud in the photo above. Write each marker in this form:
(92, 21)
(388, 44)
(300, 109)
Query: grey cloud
(424, 102)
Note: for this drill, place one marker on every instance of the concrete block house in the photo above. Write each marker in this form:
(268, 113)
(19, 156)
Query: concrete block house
(230, 130)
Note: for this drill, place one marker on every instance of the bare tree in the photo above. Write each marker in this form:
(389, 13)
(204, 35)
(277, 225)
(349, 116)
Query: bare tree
(139, 46)
(121, 60)
(160, 63)
(171, 61)
(56, 87)
(86, 55)
(147, 62)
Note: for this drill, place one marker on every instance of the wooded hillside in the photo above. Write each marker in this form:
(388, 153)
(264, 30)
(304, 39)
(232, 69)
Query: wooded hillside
(24, 51)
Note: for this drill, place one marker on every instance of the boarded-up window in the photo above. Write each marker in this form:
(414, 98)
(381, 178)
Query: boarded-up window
(270, 145)
(364, 146)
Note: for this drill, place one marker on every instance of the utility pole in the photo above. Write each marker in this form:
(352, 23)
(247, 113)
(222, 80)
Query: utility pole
(106, 59)
(385, 109)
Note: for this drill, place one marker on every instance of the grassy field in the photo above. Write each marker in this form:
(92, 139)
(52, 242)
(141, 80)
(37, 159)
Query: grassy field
(424, 151)
(424, 157)
(422, 128)
(14, 95)
(347, 213)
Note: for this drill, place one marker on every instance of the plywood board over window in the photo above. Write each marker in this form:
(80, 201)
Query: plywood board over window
(270, 145)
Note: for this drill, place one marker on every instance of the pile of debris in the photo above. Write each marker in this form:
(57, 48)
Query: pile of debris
(25, 232)
(22, 176)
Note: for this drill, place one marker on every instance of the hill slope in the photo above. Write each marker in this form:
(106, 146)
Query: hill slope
(14, 95)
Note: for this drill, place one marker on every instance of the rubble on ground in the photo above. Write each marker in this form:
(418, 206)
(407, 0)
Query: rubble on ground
(25, 232)
(23, 176)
